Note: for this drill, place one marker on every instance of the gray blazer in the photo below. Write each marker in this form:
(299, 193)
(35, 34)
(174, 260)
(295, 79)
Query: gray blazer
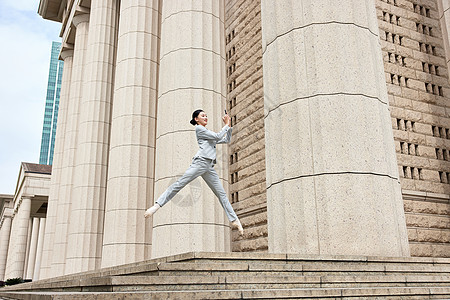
(208, 139)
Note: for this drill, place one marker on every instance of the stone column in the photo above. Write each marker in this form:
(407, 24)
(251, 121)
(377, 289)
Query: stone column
(127, 236)
(33, 249)
(40, 244)
(5, 231)
(58, 155)
(89, 191)
(27, 252)
(332, 180)
(192, 76)
(444, 20)
(18, 244)
(59, 244)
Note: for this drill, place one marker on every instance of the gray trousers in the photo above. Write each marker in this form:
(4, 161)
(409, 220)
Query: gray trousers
(200, 167)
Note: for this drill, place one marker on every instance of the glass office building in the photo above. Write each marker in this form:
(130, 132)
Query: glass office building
(51, 106)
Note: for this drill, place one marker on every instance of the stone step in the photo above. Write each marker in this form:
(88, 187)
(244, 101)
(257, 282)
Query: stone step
(233, 273)
(208, 282)
(290, 268)
(309, 293)
(163, 283)
(271, 262)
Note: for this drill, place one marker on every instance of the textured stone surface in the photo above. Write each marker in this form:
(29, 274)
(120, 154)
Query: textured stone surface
(127, 236)
(245, 105)
(85, 234)
(32, 248)
(55, 184)
(192, 76)
(55, 245)
(419, 114)
(327, 126)
(428, 221)
(5, 231)
(15, 263)
(250, 275)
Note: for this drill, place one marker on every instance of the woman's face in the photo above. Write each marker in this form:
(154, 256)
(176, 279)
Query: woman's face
(202, 119)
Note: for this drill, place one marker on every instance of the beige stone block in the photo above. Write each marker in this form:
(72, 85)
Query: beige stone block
(395, 90)
(141, 73)
(183, 61)
(318, 76)
(422, 128)
(135, 130)
(132, 103)
(279, 19)
(335, 216)
(324, 135)
(409, 93)
(386, 46)
(189, 237)
(441, 250)
(406, 23)
(138, 30)
(427, 235)
(421, 106)
(416, 84)
(421, 249)
(197, 21)
(412, 235)
(131, 192)
(443, 209)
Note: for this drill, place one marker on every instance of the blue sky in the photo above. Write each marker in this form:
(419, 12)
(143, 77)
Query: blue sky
(24, 60)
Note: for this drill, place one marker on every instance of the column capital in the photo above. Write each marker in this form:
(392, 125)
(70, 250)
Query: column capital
(66, 53)
(78, 19)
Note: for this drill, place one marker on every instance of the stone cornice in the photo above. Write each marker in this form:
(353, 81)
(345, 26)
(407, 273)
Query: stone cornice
(425, 196)
(51, 9)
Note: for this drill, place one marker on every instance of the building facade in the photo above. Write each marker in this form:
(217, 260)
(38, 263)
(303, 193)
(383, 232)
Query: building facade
(340, 126)
(22, 223)
(51, 106)
(416, 76)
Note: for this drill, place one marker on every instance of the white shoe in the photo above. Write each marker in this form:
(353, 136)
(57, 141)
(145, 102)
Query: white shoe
(149, 212)
(237, 224)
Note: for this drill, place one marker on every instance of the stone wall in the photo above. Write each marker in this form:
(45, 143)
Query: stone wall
(246, 107)
(418, 88)
(427, 218)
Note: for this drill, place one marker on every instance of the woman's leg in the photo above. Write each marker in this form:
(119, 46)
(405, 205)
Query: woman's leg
(212, 179)
(191, 173)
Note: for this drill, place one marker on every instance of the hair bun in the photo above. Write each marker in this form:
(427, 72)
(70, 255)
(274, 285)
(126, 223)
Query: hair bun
(193, 122)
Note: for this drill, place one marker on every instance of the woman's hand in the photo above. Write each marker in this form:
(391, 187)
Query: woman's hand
(227, 120)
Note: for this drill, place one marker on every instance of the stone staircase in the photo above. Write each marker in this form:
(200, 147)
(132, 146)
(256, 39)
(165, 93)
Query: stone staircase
(251, 276)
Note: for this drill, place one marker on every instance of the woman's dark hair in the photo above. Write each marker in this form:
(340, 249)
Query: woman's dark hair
(195, 115)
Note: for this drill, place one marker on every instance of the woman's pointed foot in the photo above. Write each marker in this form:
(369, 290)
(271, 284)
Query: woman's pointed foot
(149, 212)
(237, 224)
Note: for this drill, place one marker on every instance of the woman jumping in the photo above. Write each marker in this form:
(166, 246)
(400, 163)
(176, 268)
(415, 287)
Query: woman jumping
(203, 165)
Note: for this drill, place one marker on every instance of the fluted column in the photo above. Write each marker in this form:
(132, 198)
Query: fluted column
(127, 236)
(5, 231)
(39, 247)
(58, 256)
(332, 180)
(53, 199)
(27, 251)
(192, 76)
(89, 191)
(32, 248)
(444, 19)
(18, 244)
